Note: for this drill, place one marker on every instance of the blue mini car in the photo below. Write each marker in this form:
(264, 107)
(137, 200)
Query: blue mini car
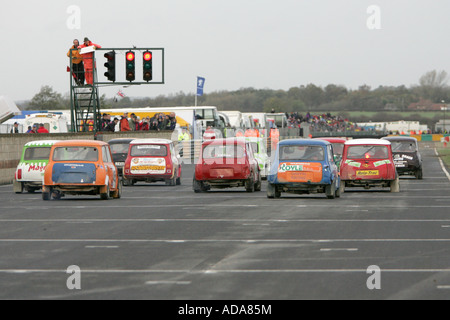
(304, 167)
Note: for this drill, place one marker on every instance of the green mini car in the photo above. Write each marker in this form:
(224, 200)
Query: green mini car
(31, 168)
(260, 153)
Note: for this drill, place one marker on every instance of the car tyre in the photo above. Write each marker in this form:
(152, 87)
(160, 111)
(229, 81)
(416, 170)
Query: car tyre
(126, 182)
(107, 195)
(18, 187)
(338, 191)
(330, 191)
(197, 186)
(118, 193)
(258, 184)
(46, 196)
(395, 185)
(419, 174)
(272, 191)
(250, 185)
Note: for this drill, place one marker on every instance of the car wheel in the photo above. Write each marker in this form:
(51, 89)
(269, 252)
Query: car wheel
(118, 193)
(197, 186)
(46, 196)
(272, 191)
(250, 185)
(419, 174)
(105, 196)
(18, 187)
(395, 185)
(330, 191)
(342, 188)
(126, 182)
(338, 191)
(171, 182)
(258, 184)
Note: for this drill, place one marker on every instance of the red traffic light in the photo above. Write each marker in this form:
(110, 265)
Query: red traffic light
(147, 56)
(130, 56)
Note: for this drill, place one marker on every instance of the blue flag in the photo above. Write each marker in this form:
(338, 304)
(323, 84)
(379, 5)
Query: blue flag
(200, 85)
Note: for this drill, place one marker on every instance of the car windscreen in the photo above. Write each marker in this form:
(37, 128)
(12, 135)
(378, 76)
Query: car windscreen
(403, 146)
(338, 148)
(302, 153)
(119, 148)
(223, 151)
(75, 154)
(368, 152)
(41, 153)
(148, 150)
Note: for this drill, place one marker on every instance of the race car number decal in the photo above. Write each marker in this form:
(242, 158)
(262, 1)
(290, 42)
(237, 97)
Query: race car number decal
(367, 173)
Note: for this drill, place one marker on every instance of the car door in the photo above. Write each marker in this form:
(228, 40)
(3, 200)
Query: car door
(252, 160)
(111, 168)
(333, 166)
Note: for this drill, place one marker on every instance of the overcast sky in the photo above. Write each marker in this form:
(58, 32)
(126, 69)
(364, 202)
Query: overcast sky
(276, 44)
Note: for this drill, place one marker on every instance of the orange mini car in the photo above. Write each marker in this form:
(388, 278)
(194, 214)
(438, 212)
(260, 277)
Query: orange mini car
(79, 167)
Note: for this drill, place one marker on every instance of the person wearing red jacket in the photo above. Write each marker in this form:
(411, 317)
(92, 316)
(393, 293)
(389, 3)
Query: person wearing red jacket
(88, 59)
(42, 129)
(124, 124)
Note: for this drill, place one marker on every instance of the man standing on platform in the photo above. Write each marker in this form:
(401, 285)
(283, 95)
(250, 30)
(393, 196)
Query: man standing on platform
(88, 59)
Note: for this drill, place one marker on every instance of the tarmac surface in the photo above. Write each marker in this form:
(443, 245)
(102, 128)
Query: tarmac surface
(161, 242)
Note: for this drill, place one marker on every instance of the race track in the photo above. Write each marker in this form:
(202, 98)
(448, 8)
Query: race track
(161, 242)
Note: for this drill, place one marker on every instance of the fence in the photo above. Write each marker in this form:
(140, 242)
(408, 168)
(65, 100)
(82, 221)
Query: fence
(6, 128)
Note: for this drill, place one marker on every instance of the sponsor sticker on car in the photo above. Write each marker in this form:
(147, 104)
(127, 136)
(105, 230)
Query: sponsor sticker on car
(300, 172)
(148, 166)
(367, 173)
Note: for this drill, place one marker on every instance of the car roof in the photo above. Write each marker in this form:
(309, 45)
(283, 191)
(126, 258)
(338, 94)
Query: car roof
(358, 142)
(121, 140)
(250, 139)
(80, 143)
(333, 140)
(303, 142)
(41, 143)
(398, 138)
(151, 141)
(239, 140)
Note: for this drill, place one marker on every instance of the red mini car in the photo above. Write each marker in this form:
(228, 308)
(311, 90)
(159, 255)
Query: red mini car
(152, 160)
(227, 163)
(338, 147)
(369, 163)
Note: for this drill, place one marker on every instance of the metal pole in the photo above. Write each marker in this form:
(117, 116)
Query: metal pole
(445, 109)
(195, 93)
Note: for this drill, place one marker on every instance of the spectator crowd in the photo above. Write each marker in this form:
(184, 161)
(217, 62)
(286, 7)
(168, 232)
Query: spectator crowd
(159, 122)
(321, 122)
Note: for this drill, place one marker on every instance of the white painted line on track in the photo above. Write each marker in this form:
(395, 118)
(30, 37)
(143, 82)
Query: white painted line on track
(216, 240)
(275, 205)
(168, 282)
(446, 287)
(101, 247)
(222, 271)
(442, 164)
(253, 221)
(339, 249)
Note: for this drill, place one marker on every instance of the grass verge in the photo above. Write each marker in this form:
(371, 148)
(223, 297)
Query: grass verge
(445, 155)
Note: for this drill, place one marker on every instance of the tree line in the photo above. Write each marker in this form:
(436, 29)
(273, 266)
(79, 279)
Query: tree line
(332, 98)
